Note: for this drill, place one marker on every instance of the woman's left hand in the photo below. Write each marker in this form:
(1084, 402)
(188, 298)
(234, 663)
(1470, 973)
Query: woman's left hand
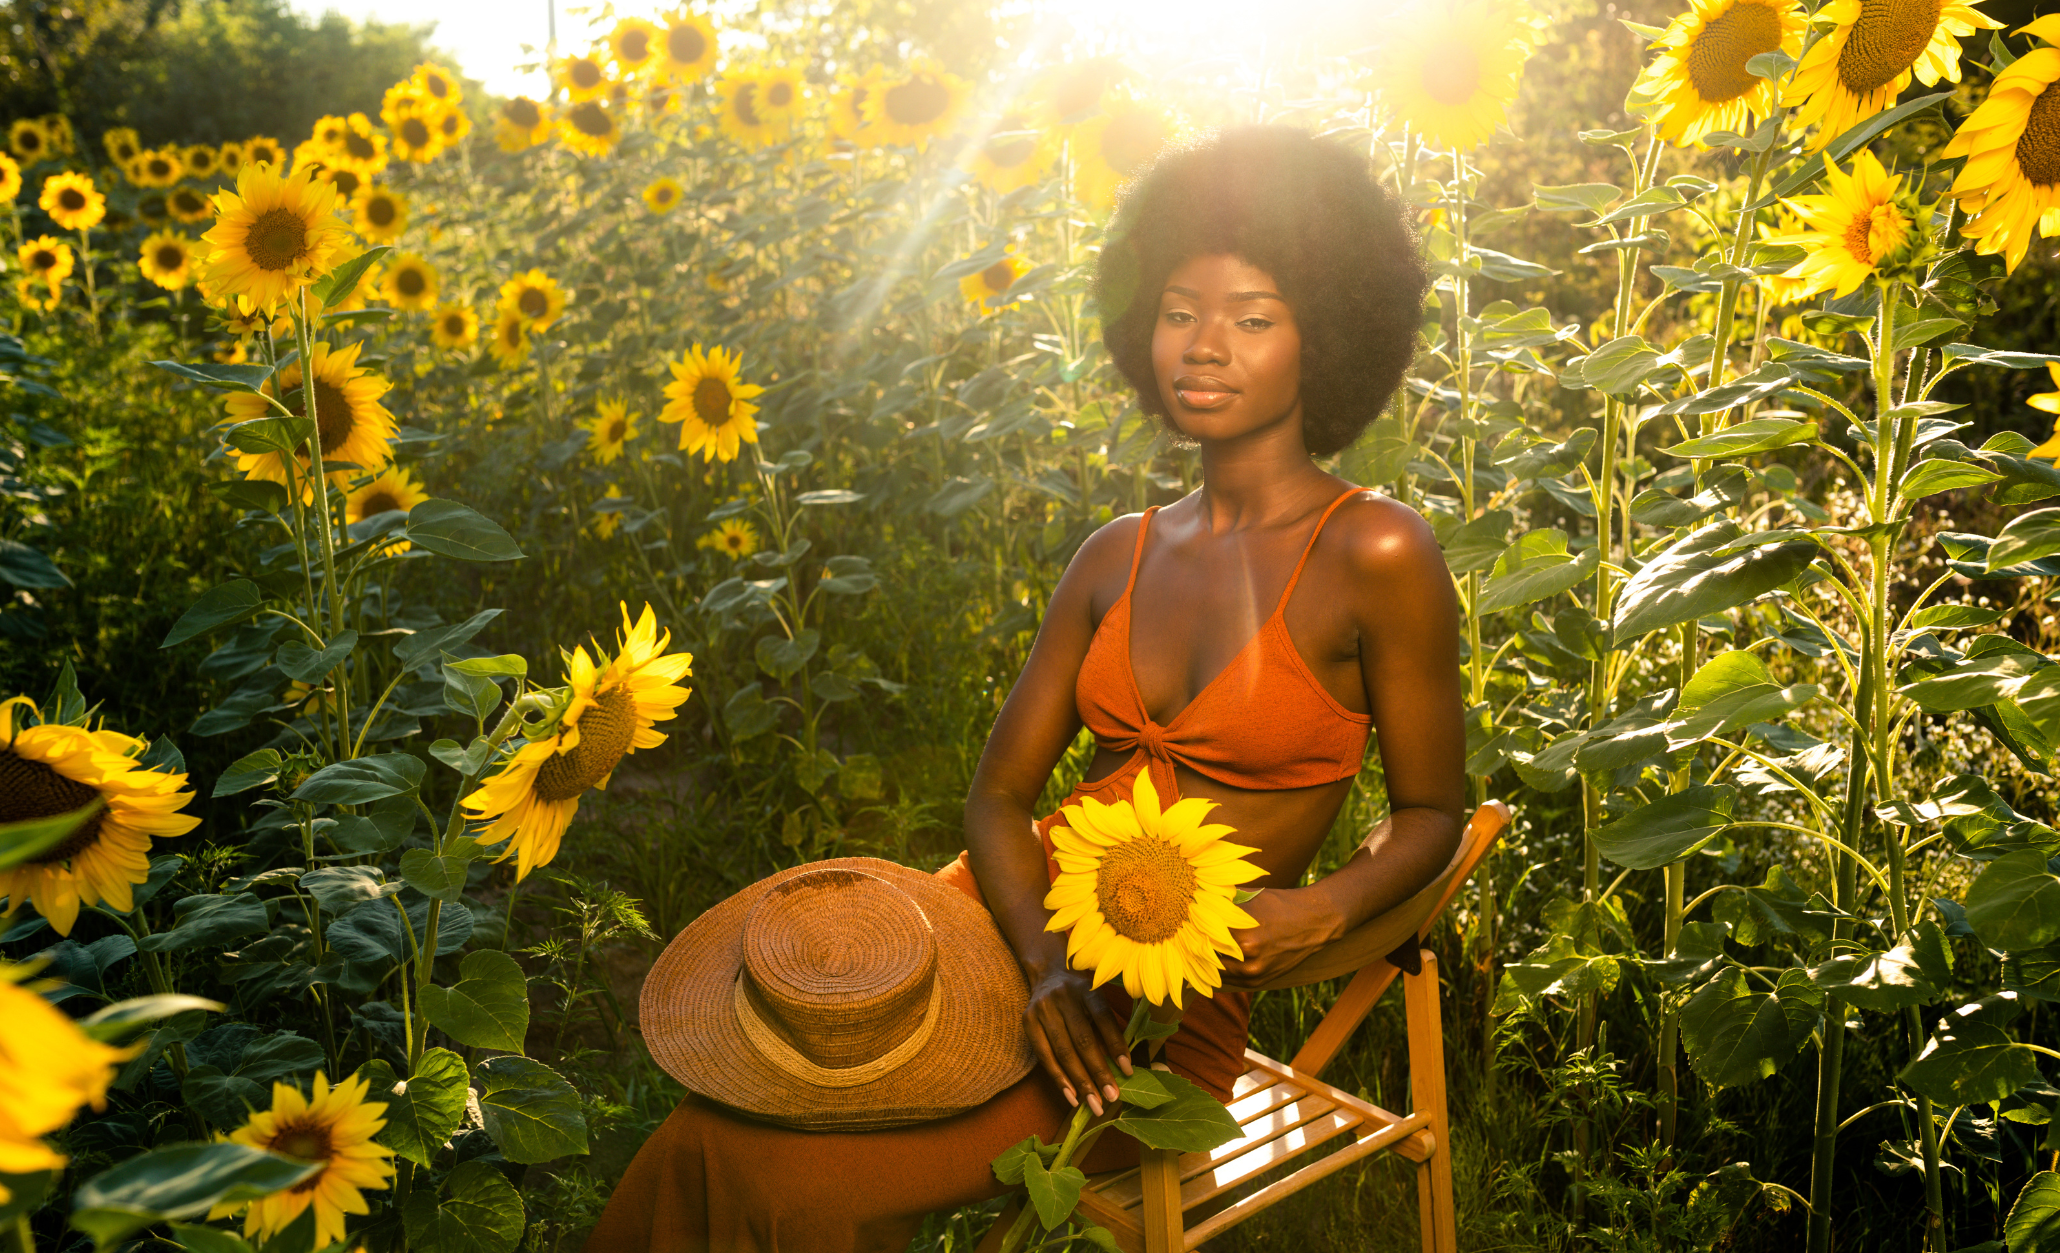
(1293, 923)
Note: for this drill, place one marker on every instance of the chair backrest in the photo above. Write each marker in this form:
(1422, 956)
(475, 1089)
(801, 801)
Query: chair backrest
(1406, 923)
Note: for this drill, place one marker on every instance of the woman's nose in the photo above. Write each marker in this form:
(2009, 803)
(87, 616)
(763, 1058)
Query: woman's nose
(1206, 348)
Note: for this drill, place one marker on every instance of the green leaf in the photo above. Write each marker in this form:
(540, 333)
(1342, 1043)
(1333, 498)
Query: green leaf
(1575, 197)
(423, 1110)
(220, 606)
(340, 889)
(2034, 1222)
(1143, 1089)
(310, 667)
(1975, 682)
(1737, 1035)
(1560, 968)
(25, 567)
(1758, 435)
(449, 529)
(279, 433)
(119, 1020)
(781, 657)
(235, 378)
(252, 770)
(1053, 1193)
(2028, 537)
(31, 837)
(1774, 907)
(182, 1181)
(1476, 545)
(1843, 146)
(1100, 1238)
(2014, 904)
(747, 713)
(1535, 582)
(1888, 980)
(224, 1100)
(335, 287)
(211, 921)
(1763, 382)
(280, 1055)
(1925, 331)
(208, 1239)
(475, 696)
(482, 1213)
(1008, 1164)
(1192, 1122)
(1649, 203)
(487, 1008)
(1696, 954)
(1953, 618)
(439, 876)
(1722, 675)
(361, 780)
(507, 665)
(1668, 829)
(1620, 365)
(531, 1113)
(1694, 578)
(1969, 1062)
(422, 644)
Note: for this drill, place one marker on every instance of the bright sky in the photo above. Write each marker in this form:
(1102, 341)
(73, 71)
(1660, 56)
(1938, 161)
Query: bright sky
(485, 37)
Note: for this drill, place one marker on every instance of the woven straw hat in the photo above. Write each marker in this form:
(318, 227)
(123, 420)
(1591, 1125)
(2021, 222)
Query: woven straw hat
(842, 995)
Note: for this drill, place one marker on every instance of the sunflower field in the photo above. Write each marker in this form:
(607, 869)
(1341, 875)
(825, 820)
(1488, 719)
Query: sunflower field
(450, 544)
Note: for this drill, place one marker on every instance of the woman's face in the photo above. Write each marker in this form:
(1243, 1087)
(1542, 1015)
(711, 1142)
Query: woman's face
(1225, 350)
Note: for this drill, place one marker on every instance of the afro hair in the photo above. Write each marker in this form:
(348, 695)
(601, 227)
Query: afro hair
(1310, 213)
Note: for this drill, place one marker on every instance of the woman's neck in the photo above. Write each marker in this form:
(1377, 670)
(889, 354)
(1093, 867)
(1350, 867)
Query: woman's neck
(1258, 480)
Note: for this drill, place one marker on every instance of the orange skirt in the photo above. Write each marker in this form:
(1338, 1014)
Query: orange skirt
(712, 1181)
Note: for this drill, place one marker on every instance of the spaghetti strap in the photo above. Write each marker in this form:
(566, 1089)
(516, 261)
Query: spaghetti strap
(1137, 553)
(1308, 548)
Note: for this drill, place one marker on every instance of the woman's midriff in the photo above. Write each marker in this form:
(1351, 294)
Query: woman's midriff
(1286, 826)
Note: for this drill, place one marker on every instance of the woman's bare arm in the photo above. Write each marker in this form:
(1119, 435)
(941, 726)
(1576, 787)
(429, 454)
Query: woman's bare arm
(1073, 1030)
(1408, 621)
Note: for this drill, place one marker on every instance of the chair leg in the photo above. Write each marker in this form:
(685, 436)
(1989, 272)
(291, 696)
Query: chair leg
(1000, 1230)
(1164, 1229)
(1427, 1096)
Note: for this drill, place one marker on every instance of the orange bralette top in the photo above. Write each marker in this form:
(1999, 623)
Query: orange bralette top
(1263, 723)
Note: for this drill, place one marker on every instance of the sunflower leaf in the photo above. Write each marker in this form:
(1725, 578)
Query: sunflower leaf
(439, 876)
(425, 1108)
(240, 378)
(179, 1181)
(362, 780)
(1192, 1122)
(335, 287)
(487, 1008)
(449, 529)
(483, 1213)
(222, 605)
(532, 1114)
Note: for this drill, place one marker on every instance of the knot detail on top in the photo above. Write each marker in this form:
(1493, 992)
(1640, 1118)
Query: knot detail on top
(1151, 737)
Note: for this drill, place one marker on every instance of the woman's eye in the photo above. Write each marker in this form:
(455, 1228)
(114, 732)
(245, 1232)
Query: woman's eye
(1255, 324)
(1179, 315)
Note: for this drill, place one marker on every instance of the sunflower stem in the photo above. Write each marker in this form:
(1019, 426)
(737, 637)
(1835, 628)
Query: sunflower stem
(304, 329)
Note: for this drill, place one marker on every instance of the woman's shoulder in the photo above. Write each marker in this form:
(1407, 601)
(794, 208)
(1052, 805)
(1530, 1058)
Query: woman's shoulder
(1374, 534)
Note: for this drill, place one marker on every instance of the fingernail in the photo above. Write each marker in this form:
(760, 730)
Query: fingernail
(1071, 1099)
(1114, 1093)
(1094, 1103)
(1124, 1062)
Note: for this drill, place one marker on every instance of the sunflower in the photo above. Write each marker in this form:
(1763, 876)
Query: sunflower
(582, 77)
(712, 406)
(72, 202)
(355, 428)
(1111, 147)
(609, 429)
(153, 210)
(847, 108)
(10, 178)
(1012, 154)
(328, 132)
(535, 298)
(2048, 402)
(436, 83)
(187, 205)
(415, 134)
(687, 49)
(346, 182)
(1871, 51)
(779, 94)
(29, 140)
(360, 147)
(456, 327)
(1148, 894)
(1858, 229)
(393, 489)
(1453, 72)
(660, 98)
(200, 161)
(333, 1129)
(634, 45)
(589, 128)
(59, 128)
(663, 195)
(988, 288)
(379, 213)
(122, 144)
(614, 702)
(167, 260)
(510, 344)
(604, 522)
(157, 167)
(261, 150)
(1069, 93)
(230, 158)
(52, 769)
(521, 123)
(410, 282)
(2011, 182)
(46, 259)
(33, 293)
(917, 106)
(48, 1069)
(271, 236)
(1699, 82)
(744, 118)
(734, 536)
(452, 124)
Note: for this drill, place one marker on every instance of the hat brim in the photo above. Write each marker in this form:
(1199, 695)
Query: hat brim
(978, 1047)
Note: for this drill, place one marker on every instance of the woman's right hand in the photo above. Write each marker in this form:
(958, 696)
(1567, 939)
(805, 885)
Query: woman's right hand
(1076, 1035)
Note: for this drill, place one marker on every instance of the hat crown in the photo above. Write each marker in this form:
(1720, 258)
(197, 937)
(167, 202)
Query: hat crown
(840, 964)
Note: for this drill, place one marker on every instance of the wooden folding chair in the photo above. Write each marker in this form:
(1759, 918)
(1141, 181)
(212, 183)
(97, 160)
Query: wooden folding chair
(1285, 1110)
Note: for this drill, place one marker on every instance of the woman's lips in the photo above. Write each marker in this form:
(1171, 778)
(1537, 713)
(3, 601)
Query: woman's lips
(1202, 393)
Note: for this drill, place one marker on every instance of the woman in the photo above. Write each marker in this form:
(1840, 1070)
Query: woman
(1261, 292)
